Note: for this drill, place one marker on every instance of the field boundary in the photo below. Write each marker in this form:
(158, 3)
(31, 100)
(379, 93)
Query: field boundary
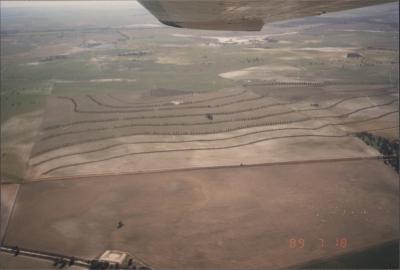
(211, 140)
(213, 113)
(222, 121)
(10, 215)
(294, 162)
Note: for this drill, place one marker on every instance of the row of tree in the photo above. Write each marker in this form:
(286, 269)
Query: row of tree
(388, 148)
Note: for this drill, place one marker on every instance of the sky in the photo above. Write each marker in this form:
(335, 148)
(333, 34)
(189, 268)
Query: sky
(6, 4)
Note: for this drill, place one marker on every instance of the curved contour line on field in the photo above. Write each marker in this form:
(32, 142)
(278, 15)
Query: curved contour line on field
(146, 105)
(136, 134)
(77, 110)
(207, 140)
(192, 149)
(218, 122)
(202, 114)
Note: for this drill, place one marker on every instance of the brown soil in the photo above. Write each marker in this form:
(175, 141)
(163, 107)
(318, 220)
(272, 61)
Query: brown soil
(232, 218)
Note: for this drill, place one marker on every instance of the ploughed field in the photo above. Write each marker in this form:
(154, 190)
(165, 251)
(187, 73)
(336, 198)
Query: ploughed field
(170, 129)
(259, 217)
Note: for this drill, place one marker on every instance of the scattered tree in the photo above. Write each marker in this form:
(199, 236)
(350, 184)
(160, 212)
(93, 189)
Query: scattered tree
(120, 224)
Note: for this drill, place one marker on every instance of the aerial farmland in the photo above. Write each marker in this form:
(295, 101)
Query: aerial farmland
(194, 149)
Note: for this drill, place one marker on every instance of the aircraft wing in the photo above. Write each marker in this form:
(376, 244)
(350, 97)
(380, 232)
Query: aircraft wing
(243, 15)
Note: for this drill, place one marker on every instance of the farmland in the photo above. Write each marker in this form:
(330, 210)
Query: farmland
(119, 130)
(250, 222)
(100, 97)
(214, 149)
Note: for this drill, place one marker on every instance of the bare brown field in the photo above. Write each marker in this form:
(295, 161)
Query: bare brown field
(141, 131)
(8, 197)
(239, 218)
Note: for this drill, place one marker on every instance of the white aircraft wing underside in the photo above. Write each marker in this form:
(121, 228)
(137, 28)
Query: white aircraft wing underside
(243, 15)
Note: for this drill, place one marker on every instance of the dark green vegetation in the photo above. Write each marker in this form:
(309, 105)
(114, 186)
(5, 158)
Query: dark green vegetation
(388, 148)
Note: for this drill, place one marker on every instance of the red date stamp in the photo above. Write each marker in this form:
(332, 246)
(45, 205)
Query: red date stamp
(299, 243)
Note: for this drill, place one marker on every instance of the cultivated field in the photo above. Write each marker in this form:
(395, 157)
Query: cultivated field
(8, 197)
(215, 150)
(144, 97)
(121, 132)
(231, 218)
